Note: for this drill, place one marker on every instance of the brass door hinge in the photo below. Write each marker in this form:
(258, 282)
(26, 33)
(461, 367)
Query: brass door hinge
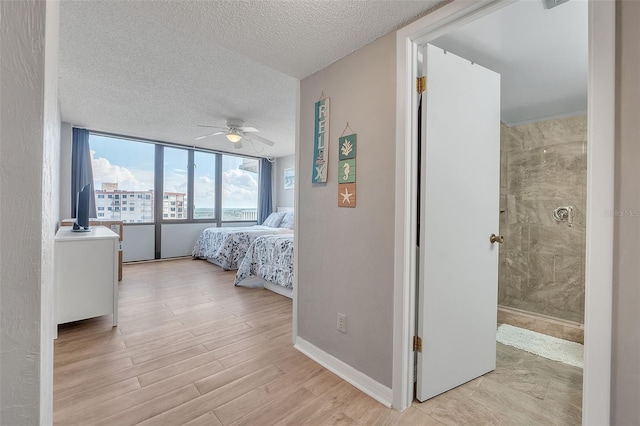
(417, 344)
(421, 84)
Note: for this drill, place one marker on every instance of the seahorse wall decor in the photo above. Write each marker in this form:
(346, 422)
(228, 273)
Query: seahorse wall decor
(347, 150)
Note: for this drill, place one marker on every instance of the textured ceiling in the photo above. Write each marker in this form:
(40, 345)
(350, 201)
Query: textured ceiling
(157, 69)
(541, 55)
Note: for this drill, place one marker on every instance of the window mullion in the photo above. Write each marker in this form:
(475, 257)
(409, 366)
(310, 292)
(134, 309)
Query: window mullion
(158, 198)
(218, 184)
(190, 207)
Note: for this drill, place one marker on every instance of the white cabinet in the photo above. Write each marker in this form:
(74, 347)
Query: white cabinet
(86, 274)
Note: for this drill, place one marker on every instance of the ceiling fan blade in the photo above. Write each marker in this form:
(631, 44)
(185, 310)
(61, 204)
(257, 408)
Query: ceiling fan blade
(213, 127)
(210, 134)
(249, 129)
(263, 140)
(237, 145)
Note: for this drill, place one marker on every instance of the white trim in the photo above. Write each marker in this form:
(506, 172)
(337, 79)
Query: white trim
(600, 173)
(405, 229)
(366, 384)
(296, 222)
(596, 393)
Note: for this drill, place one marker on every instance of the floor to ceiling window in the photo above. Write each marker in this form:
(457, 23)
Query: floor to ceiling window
(199, 189)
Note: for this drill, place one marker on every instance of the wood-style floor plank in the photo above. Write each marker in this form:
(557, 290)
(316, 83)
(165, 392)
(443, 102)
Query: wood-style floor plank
(216, 397)
(141, 412)
(207, 419)
(75, 407)
(193, 349)
(322, 408)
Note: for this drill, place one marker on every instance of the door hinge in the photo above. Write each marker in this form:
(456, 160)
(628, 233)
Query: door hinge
(421, 84)
(417, 344)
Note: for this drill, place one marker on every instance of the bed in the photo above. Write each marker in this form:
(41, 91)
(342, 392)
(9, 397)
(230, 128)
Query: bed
(226, 247)
(268, 263)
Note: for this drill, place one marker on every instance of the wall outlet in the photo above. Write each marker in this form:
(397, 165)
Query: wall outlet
(342, 323)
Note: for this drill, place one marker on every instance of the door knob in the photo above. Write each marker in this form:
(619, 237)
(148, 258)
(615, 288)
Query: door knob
(496, 239)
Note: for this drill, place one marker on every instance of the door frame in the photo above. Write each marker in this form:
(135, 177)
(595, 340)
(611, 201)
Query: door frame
(600, 197)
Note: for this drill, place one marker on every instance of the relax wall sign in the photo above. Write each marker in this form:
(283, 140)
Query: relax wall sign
(321, 142)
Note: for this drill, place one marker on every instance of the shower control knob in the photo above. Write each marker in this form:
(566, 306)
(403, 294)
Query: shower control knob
(496, 239)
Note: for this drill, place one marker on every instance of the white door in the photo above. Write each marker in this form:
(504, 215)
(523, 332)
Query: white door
(458, 281)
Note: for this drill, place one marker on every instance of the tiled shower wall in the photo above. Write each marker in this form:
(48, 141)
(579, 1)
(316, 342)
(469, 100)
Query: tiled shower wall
(543, 166)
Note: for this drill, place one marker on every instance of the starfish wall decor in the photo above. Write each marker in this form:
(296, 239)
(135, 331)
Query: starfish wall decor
(347, 170)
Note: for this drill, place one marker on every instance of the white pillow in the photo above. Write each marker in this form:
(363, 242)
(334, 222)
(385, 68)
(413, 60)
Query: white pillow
(273, 220)
(287, 221)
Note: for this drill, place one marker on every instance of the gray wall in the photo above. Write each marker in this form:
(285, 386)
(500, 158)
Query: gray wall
(625, 380)
(346, 254)
(282, 197)
(29, 136)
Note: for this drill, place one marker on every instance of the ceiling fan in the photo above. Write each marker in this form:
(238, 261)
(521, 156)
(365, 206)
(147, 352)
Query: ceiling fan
(234, 132)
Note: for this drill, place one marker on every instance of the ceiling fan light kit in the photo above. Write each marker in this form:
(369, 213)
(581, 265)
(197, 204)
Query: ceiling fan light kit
(235, 131)
(234, 136)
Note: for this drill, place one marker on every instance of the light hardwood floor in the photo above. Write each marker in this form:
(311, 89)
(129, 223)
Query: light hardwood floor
(193, 349)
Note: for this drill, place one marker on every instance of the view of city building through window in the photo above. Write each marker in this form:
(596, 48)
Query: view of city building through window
(174, 184)
(127, 206)
(124, 175)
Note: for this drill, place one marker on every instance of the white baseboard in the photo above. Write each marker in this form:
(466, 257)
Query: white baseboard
(366, 384)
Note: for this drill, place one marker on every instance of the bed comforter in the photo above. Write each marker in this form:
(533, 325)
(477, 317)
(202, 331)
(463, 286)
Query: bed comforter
(227, 246)
(270, 257)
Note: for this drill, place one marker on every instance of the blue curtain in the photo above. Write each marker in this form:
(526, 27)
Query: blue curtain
(265, 207)
(81, 171)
